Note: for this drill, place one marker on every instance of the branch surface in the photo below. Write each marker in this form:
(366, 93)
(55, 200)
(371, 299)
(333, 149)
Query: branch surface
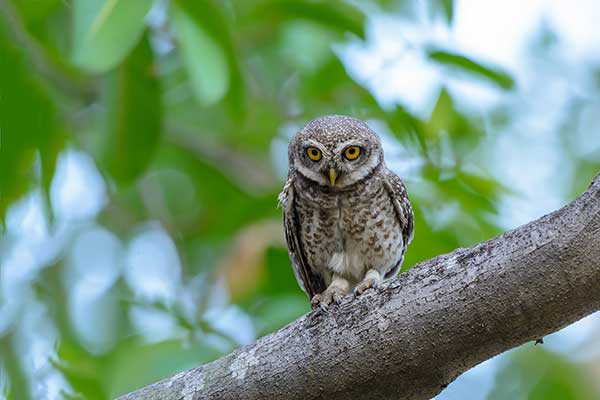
(424, 328)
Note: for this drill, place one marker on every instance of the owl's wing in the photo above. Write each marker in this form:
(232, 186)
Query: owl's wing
(404, 212)
(309, 280)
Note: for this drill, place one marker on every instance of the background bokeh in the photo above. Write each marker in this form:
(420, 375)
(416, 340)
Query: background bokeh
(143, 145)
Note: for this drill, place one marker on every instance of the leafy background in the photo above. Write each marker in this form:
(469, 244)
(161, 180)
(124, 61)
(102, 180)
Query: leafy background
(143, 145)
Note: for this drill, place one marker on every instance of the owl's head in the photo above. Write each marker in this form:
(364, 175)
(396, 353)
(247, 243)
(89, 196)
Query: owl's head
(335, 151)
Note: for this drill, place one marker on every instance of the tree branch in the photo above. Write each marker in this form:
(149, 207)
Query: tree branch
(423, 329)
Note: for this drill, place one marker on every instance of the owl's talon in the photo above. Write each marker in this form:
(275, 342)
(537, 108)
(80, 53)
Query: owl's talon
(333, 295)
(337, 299)
(368, 283)
(315, 301)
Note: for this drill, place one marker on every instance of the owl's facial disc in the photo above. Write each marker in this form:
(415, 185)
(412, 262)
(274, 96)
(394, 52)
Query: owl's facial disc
(338, 165)
(335, 152)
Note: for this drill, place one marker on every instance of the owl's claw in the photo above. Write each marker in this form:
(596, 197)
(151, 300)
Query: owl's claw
(367, 283)
(333, 295)
(337, 299)
(315, 301)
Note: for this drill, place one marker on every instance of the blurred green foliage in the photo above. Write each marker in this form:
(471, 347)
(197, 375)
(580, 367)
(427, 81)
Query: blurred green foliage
(104, 32)
(542, 375)
(180, 109)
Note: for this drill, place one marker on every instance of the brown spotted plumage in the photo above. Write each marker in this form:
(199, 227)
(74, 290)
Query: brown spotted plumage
(347, 217)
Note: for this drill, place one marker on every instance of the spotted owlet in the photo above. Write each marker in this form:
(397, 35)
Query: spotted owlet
(347, 217)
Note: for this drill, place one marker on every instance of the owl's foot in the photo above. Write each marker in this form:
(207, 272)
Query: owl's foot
(372, 280)
(333, 295)
(364, 285)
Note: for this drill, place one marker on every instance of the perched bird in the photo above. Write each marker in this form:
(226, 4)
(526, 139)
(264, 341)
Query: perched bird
(347, 217)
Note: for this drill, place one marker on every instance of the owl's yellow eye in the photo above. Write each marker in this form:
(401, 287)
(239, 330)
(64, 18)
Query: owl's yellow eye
(313, 153)
(352, 152)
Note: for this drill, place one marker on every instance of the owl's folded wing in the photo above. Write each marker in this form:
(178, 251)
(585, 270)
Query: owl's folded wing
(404, 212)
(309, 280)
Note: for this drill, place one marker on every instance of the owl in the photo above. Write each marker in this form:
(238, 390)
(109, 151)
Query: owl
(347, 217)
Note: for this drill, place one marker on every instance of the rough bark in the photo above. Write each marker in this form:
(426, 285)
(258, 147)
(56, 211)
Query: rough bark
(424, 328)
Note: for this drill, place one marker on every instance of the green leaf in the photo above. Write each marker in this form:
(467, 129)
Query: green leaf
(224, 207)
(460, 62)
(447, 119)
(484, 186)
(28, 125)
(537, 374)
(406, 127)
(204, 58)
(17, 385)
(39, 12)
(273, 313)
(586, 170)
(429, 241)
(134, 115)
(208, 16)
(133, 364)
(335, 14)
(447, 6)
(442, 116)
(306, 45)
(85, 385)
(105, 31)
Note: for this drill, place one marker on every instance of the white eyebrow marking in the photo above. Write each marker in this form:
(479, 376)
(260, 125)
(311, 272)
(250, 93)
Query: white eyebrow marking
(313, 143)
(343, 145)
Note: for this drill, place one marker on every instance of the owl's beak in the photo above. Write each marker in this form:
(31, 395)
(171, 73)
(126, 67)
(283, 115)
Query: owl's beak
(332, 176)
